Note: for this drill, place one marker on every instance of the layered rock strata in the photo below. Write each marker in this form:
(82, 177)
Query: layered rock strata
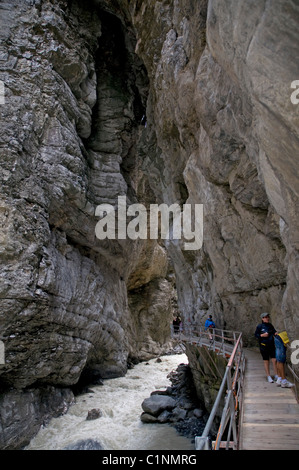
(227, 133)
(75, 95)
(161, 101)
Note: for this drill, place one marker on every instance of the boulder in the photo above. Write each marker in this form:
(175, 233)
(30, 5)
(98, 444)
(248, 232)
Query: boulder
(85, 444)
(148, 418)
(95, 413)
(155, 404)
(164, 417)
(198, 413)
(178, 414)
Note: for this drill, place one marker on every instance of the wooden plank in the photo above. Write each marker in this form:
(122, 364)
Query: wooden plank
(271, 394)
(275, 412)
(254, 445)
(283, 420)
(278, 398)
(270, 414)
(260, 443)
(264, 407)
(284, 433)
(260, 425)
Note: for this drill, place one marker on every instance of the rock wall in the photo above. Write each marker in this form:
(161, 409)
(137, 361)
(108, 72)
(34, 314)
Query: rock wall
(75, 94)
(212, 81)
(227, 132)
(208, 369)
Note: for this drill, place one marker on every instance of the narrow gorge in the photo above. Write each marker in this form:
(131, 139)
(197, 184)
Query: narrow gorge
(170, 101)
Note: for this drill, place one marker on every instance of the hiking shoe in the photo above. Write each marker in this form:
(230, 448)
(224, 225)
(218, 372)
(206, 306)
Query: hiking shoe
(286, 384)
(270, 380)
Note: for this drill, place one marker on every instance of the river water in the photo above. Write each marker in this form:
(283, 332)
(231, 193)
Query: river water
(119, 427)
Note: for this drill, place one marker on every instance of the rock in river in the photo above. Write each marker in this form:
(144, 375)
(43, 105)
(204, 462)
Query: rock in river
(155, 404)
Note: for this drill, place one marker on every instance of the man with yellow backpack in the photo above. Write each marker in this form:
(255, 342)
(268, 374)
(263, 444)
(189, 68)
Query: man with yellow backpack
(281, 340)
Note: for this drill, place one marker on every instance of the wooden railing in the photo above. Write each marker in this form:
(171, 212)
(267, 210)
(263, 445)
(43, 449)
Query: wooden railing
(295, 378)
(228, 344)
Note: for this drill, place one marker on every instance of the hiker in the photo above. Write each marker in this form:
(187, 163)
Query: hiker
(176, 325)
(280, 339)
(209, 324)
(265, 333)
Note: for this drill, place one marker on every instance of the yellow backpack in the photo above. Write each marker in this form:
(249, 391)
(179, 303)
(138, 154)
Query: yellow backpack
(284, 337)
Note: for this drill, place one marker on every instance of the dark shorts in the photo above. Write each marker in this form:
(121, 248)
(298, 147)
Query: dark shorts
(280, 349)
(267, 351)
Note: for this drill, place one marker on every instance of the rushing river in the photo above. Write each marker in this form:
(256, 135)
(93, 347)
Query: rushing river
(119, 427)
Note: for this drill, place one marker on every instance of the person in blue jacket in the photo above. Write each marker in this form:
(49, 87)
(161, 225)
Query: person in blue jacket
(209, 324)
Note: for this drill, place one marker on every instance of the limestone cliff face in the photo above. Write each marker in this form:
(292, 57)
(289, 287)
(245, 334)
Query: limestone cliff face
(227, 132)
(214, 81)
(75, 94)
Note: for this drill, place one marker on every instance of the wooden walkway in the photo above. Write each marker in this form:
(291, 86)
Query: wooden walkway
(270, 419)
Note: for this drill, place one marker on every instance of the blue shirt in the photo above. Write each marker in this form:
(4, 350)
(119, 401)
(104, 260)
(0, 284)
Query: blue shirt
(209, 324)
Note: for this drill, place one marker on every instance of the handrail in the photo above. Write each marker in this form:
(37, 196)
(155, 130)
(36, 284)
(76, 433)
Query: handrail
(233, 385)
(219, 341)
(296, 380)
(227, 343)
(199, 333)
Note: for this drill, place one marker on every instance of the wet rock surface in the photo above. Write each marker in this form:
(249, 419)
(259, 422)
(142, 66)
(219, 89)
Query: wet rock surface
(155, 404)
(75, 93)
(22, 414)
(85, 444)
(178, 405)
(184, 102)
(95, 413)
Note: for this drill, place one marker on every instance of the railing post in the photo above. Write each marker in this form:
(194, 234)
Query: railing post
(203, 443)
(233, 421)
(229, 383)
